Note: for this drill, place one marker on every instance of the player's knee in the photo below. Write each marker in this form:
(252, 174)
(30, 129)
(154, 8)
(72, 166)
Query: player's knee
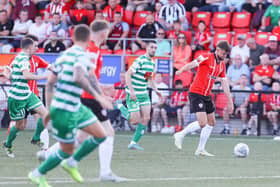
(134, 120)
(146, 119)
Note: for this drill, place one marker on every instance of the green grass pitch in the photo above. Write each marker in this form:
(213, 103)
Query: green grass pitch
(159, 165)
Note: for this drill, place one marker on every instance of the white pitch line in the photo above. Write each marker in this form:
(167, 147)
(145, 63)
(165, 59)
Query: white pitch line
(22, 180)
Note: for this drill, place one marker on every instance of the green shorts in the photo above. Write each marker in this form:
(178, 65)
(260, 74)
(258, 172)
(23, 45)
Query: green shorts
(65, 124)
(141, 100)
(18, 108)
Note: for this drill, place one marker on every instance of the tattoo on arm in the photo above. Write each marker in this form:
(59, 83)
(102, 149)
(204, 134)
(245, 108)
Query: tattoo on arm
(94, 83)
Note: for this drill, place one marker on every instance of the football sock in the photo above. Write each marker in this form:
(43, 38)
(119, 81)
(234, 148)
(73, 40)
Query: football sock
(44, 137)
(140, 130)
(87, 147)
(192, 127)
(124, 111)
(105, 151)
(204, 135)
(52, 161)
(12, 135)
(39, 128)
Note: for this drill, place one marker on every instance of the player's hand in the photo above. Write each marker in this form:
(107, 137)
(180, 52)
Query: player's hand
(46, 119)
(178, 72)
(133, 96)
(105, 103)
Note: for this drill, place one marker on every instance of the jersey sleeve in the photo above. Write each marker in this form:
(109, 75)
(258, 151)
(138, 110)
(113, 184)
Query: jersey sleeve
(42, 63)
(223, 73)
(202, 59)
(84, 62)
(24, 64)
(136, 65)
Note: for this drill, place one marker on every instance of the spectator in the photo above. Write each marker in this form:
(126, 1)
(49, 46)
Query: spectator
(57, 7)
(4, 113)
(255, 108)
(232, 6)
(118, 29)
(202, 38)
(182, 52)
(177, 30)
(194, 5)
(158, 6)
(163, 46)
(157, 104)
(264, 72)
(138, 5)
(59, 27)
(273, 11)
(242, 49)
(212, 5)
(41, 4)
(272, 49)
(95, 4)
(21, 27)
(27, 5)
(6, 26)
(119, 95)
(80, 14)
(55, 45)
(99, 15)
(240, 100)
(110, 10)
(249, 6)
(258, 12)
(172, 12)
(6, 5)
(256, 51)
(274, 102)
(147, 30)
(38, 29)
(175, 107)
(276, 30)
(235, 71)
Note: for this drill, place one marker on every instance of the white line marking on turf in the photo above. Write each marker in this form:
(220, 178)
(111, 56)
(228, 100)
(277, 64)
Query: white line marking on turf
(23, 180)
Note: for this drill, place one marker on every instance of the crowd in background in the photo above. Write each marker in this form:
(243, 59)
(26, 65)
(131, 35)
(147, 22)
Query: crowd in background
(249, 65)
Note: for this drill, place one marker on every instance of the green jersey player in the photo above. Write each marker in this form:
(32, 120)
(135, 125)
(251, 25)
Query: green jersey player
(137, 99)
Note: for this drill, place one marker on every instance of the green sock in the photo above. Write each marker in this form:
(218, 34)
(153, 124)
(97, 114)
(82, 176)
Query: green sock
(140, 130)
(39, 128)
(87, 147)
(53, 160)
(12, 135)
(124, 112)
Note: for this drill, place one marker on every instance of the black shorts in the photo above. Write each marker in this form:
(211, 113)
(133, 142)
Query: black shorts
(172, 111)
(200, 103)
(96, 108)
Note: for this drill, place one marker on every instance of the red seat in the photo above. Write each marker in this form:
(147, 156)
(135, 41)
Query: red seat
(120, 52)
(241, 22)
(140, 18)
(262, 37)
(221, 21)
(40, 50)
(140, 52)
(106, 51)
(247, 35)
(201, 16)
(90, 14)
(128, 17)
(222, 36)
(186, 77)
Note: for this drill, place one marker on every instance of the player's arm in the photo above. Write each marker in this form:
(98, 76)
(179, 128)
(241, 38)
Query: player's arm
(153, 85)
(49, 90)
(192, 64)
(128, 75)
(225, 86)
(6, 72)
(30, 76)
(90, 85)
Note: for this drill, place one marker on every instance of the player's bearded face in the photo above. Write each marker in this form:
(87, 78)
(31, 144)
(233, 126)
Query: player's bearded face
(221, 54)
(152, 50)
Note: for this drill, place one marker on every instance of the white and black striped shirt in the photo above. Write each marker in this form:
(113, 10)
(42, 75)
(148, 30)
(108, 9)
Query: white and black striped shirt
(172, 13)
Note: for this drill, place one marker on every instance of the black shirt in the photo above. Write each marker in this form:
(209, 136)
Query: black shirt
(189, 4)
(59, 46)
(255, 54)
(148, 31)
(6, 26)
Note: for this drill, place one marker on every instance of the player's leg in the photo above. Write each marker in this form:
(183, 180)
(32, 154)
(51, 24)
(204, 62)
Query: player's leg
(155, 117)
(205, 132)
(244, 116)
(275, 122)
(226, 119)
(41, 134)
(179, 119)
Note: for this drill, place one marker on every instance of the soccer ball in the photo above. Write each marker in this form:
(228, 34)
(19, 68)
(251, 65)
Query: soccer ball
(241, 150)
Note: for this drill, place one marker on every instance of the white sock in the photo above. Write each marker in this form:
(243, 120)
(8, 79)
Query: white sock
(54, 148)
(72, 162)
(36, 173)
(192, 127)
(44, 136)
(105, 151)
(244, 126)
(204, 135)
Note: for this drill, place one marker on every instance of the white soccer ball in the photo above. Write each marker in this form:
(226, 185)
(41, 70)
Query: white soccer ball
(241, 150)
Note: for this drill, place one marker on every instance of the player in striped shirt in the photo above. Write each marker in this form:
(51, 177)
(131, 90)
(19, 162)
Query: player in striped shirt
(21, 99)
(137, 98)
(74, 72)
(210, 68)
